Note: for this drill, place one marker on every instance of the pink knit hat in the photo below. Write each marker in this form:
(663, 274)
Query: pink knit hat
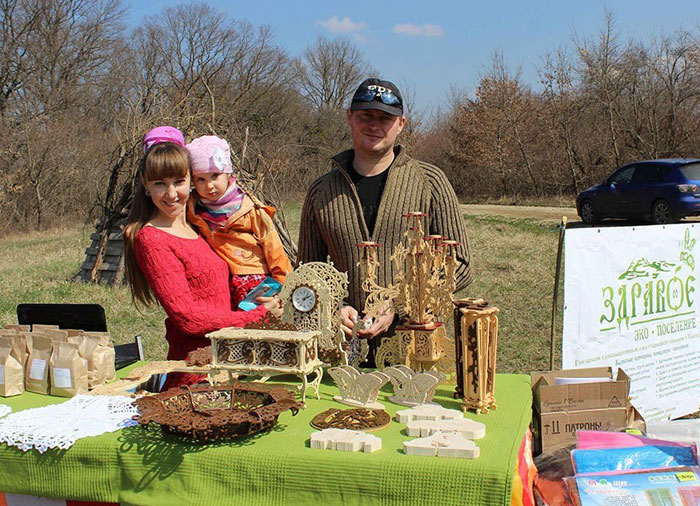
(162, 134)
(209, 154)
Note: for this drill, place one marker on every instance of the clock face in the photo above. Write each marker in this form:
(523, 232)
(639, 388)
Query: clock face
(304, 298)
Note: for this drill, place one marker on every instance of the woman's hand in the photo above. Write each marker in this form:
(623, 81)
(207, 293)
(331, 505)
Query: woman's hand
(273, 305)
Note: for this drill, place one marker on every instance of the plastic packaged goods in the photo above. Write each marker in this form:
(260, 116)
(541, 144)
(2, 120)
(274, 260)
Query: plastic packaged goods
(267, 288)
(553, 467)
(596, 440)
(651, 487)
(639, 457)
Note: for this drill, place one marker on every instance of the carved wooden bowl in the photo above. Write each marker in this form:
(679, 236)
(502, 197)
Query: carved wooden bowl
(209, 413)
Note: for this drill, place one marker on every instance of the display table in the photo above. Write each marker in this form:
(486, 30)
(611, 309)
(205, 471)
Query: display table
(137, 466)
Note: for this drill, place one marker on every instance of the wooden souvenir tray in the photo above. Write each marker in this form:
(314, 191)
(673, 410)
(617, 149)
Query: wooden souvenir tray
(210, 413)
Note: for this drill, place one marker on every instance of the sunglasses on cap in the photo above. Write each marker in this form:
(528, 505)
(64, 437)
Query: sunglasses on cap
(385, 97)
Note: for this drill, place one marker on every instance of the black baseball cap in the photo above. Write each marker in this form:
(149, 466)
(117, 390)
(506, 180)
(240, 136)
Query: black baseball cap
(378, 94)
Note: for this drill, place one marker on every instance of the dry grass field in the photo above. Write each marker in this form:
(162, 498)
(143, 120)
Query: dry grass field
(513, 260)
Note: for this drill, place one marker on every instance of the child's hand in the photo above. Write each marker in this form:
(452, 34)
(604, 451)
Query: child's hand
(273, 305)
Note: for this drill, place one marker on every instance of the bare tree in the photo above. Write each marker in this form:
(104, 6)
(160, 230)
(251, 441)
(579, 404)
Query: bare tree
(602, 71)
(564, 107)
(18, 19)
(329, 71)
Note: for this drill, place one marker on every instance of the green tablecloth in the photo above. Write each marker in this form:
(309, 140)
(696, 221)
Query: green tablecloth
(137, 466)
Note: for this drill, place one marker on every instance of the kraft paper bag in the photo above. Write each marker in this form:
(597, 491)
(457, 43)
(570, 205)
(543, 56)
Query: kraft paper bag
(110, 356)
(36, 373)
(40, 326)
(18, 328)
(21, 348)
(69, 371)
(11, 370)
(54, 334)
(90, 349)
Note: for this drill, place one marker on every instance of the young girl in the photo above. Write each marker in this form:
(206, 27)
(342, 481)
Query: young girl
(237, 227)
(166, 260)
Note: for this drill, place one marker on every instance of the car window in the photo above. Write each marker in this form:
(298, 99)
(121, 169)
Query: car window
(647, 173)
(691, 171)
(622, 176)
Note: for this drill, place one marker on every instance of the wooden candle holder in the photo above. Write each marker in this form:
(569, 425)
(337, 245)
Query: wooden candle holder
(424, 280)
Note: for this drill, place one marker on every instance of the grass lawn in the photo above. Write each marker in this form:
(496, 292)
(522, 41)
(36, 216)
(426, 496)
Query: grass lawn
(513, 261)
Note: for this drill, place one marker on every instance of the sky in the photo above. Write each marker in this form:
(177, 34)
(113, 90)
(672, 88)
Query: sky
(430, 47)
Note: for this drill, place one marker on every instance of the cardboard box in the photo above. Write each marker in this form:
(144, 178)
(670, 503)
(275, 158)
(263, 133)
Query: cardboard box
(553, 430)
(550, 398)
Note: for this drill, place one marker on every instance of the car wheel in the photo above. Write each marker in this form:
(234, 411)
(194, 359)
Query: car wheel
(661, 213)
(587, 213)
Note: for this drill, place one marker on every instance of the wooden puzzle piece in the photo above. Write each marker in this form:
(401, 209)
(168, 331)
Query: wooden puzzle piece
(448, 445)
(428, 412)
(466, 427)
(345, 440)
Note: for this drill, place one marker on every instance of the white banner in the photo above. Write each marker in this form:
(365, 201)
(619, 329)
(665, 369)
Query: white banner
(631, 298)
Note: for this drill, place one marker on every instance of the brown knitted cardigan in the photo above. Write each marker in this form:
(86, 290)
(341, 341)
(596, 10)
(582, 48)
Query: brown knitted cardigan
(332, 222)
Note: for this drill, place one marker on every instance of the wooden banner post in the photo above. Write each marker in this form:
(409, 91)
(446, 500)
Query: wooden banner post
(555, 298)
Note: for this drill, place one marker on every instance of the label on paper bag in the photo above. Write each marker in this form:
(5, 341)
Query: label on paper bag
(61, 378)
(2, 374)
(36, 372)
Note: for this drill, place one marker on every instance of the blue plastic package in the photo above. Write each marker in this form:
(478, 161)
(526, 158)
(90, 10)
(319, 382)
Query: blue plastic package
(267, 288)
(638, 457)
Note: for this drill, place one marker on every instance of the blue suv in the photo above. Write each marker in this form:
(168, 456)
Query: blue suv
(662, 191)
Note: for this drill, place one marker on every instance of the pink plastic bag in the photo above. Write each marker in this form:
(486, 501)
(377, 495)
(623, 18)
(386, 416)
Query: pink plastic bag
(599, 440)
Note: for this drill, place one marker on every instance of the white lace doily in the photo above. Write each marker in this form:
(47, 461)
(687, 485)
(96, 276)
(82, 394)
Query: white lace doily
(4, 410)
(61, 425)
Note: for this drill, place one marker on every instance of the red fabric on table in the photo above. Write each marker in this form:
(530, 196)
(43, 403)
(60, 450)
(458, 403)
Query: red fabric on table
(23, 500)
(525, 472)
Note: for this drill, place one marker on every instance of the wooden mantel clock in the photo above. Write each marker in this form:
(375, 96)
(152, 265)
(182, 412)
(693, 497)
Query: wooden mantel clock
(313, 295)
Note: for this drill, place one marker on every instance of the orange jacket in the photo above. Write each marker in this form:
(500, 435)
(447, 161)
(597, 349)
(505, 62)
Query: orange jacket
(248, 241)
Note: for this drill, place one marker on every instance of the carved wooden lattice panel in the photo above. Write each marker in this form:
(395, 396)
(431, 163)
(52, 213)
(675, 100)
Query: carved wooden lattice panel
(330, 288)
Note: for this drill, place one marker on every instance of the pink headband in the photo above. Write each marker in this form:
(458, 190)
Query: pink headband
(162, 134)
(209, 154)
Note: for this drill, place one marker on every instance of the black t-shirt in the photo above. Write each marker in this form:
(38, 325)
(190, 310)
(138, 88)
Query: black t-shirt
(369, 189)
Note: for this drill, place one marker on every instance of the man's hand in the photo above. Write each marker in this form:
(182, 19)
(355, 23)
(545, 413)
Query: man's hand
(273, 305)
(348, 318)
(380, 325)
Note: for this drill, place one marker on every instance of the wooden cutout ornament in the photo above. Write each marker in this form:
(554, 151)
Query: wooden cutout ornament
(355, 419)
(413, 388)
(345, 440)
(466, 427)
(448, 445)
(428, 412)
(356, 388)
